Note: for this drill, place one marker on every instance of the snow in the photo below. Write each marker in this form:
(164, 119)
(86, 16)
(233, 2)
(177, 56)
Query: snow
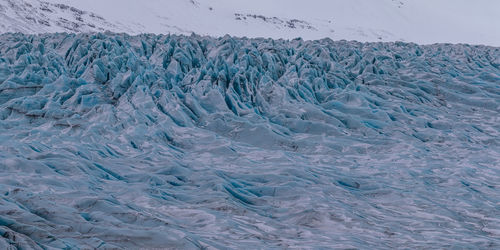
(166, 141)
(188, 138)
(422, 21)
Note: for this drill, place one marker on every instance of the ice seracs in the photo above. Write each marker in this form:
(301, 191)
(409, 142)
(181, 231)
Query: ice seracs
(116, 141)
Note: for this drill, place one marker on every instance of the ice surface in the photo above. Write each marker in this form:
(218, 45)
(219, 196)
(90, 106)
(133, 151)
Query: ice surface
(110, 140)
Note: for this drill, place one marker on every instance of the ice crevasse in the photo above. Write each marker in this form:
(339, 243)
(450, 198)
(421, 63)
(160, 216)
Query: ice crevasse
(116, 141)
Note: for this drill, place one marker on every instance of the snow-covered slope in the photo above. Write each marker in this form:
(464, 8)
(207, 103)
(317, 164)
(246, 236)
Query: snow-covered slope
(420, 21)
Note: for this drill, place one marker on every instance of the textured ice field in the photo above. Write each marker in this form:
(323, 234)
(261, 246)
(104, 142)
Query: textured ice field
(110, 140)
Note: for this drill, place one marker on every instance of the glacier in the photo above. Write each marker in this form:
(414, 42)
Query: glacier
(170, 141)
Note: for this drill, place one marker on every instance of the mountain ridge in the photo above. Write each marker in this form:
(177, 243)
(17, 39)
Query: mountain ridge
(422, 22)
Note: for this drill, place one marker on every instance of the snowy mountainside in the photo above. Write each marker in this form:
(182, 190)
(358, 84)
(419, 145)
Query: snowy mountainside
(420, 21)
(41, 16)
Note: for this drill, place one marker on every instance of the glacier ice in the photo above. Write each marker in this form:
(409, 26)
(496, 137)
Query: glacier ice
(116, 141)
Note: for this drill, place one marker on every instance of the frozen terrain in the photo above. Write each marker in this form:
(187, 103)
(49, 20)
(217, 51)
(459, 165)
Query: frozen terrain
(110, 140)
(419, 21)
